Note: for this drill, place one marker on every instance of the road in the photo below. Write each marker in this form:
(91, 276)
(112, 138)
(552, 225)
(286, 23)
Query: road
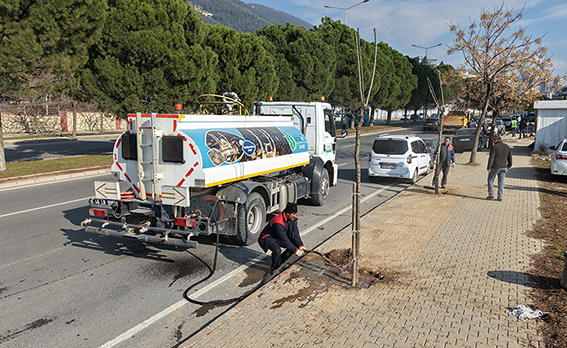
(62, 287)
(32, 151)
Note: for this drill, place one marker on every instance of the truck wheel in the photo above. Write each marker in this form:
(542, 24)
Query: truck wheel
(413, 179)
(250, 220)
(320, 197)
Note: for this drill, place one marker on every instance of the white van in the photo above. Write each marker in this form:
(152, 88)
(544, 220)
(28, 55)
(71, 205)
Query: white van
(398, 156)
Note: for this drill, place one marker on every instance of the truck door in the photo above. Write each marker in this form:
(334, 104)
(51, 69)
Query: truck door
(330, 133)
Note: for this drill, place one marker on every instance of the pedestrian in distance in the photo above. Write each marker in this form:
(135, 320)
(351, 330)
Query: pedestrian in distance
(485, 127)
(282, 232)
(499, 162)
(514, 127)
(523, 127)
(446, 161)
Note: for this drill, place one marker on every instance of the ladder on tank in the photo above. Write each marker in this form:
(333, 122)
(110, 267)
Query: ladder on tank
(148, 155)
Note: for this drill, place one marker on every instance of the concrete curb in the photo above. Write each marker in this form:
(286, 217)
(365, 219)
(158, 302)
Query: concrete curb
(54, 176)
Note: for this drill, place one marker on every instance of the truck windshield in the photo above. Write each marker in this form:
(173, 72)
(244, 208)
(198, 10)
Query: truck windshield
(330, 122)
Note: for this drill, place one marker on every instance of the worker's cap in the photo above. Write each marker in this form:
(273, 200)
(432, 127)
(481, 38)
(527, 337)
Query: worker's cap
(291, 208)
(496, 136)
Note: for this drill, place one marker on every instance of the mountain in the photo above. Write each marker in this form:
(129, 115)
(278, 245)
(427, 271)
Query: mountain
(241, 16)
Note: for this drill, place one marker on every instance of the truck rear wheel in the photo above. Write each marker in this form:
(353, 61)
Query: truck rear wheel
(320, 197)
(250, 220)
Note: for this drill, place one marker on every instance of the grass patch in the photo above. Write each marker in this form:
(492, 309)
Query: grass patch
(17, 169)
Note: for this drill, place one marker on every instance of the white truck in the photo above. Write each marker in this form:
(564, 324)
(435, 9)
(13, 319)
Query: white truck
(180, 176)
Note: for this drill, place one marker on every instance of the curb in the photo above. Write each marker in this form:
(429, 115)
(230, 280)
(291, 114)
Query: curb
(53, 176)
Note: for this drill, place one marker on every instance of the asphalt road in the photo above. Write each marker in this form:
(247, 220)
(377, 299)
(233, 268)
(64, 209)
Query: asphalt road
(32, 151)
(62, 287)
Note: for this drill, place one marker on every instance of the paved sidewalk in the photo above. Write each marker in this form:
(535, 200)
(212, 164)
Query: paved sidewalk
(453, 264)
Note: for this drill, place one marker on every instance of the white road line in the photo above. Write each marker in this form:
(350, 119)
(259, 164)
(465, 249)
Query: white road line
(45, 207)
(128, 334)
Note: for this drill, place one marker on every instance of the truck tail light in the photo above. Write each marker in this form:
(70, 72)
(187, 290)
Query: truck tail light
(184, 222)
(97, 212)
(560, 157)
(409, 159)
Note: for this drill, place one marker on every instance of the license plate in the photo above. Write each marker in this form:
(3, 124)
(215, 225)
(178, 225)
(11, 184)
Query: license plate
(387, 166)
(101, 201)
(466, 139)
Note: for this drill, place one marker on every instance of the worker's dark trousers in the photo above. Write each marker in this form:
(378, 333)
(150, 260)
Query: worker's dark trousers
(445, 170)
(277, 255)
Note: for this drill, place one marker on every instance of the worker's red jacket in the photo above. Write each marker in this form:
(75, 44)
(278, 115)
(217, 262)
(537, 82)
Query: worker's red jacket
(280, 231)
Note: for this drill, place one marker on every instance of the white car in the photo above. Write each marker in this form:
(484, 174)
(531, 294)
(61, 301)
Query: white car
(559, 158)
(398, 156)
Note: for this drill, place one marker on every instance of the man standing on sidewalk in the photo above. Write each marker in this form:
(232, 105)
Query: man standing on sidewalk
(446, 160)
(499, 161)
(514, 127)
(523, 127)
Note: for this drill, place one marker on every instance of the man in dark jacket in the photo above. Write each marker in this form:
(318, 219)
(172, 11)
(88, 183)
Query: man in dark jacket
(523, 127)
(282, 232)
(446, 160)
(499, 162)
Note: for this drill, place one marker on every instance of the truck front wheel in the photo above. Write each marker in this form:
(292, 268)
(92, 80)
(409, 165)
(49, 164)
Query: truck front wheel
(320, 197)
(250, 220)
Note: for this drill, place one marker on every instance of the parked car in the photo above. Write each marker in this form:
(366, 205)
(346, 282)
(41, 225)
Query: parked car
(398, 156)
(432, 146)
(431, 123)
(500, 126)
(559, 158)
(464, 140)
(507, 121)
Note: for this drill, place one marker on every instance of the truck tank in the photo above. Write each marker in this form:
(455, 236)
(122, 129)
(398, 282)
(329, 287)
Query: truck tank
(204, 151)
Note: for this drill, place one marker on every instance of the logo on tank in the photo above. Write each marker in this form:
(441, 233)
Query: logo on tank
(248, 147)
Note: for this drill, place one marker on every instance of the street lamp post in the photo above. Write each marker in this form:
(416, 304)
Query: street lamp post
(347, 8)
(426, 48)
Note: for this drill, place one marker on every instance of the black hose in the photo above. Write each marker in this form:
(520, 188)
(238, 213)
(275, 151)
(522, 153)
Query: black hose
(264, 280)
(212, 270)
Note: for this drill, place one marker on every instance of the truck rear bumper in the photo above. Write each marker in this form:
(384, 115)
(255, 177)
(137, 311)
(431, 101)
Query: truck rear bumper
(137, 232)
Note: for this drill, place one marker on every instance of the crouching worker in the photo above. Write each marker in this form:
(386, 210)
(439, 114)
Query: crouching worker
(282, 232)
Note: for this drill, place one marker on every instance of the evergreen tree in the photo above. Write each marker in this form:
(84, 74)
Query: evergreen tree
(150, 57)
(244, 64)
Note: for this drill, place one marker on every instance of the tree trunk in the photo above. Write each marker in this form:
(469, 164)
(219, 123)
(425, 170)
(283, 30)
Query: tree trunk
(2, 154)
(356, 206)
(438, 155)
(74, 137)
(472, 159)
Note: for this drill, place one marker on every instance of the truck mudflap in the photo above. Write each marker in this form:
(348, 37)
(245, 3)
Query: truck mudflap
(158, 236)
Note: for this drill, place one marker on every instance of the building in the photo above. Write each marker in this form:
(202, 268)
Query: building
(551, 123)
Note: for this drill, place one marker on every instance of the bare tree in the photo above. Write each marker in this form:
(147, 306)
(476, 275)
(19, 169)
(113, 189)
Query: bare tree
(441, 107)
(494, 53)
(356, 196)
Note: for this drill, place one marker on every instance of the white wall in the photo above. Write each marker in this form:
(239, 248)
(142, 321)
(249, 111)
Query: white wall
(551, 123)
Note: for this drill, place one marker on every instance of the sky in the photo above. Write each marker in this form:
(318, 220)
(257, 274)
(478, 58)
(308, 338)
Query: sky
(425, 23)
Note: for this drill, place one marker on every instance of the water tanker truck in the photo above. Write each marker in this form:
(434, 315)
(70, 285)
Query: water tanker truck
(180, 176)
